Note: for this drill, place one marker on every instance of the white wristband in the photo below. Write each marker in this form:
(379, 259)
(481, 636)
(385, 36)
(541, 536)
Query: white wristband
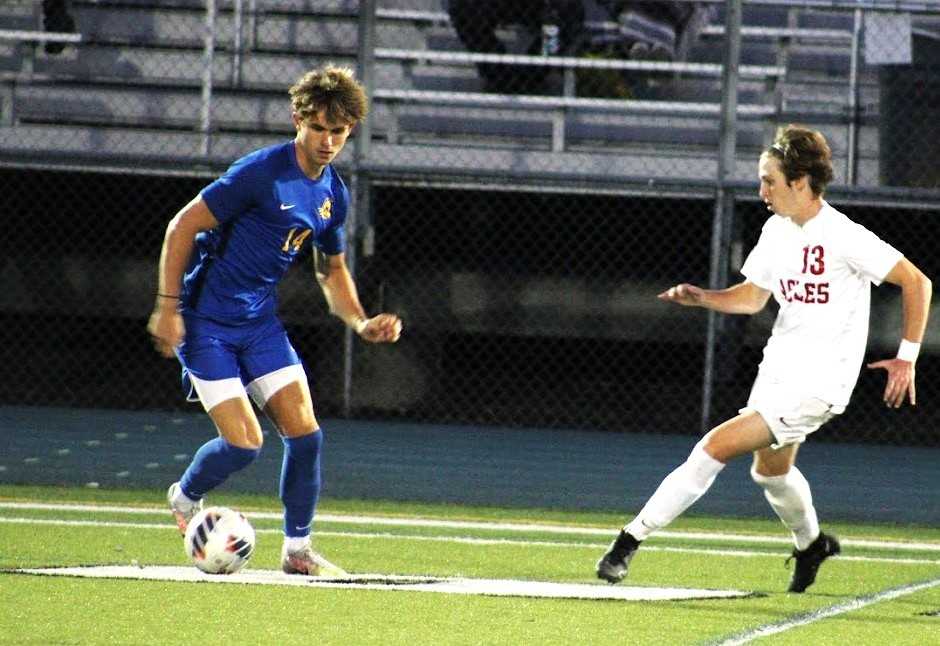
(908, 350)
(360, 325)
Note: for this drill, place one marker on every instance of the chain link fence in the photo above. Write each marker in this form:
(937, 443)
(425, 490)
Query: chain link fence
(522, 229)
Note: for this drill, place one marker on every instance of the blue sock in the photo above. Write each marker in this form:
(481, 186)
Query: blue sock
(300, 482)
(215, 461)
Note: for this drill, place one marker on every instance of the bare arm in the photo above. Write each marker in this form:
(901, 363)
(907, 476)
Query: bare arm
(916, 291)
(341, 295)
(166, 324)
(743, 298)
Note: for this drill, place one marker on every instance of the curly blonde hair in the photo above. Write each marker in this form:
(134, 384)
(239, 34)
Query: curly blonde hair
(332, 90)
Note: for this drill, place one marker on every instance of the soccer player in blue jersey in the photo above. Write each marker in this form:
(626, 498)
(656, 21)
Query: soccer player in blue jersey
(223, 256)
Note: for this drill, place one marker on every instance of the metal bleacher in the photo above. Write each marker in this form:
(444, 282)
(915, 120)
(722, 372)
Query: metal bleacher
(796, 65)
(133, 89)
(565, 130)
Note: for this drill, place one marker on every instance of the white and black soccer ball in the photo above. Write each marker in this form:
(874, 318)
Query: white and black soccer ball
(219, 540)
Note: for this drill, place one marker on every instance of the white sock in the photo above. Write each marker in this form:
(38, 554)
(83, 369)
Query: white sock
(676, 493)
(296, 543)
(183, 502)
(792, 499)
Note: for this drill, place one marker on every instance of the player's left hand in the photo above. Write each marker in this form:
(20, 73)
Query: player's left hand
(900, 381)
(382, 328)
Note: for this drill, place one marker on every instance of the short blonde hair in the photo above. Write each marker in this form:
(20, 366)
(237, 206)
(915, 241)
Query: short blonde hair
(332, 90)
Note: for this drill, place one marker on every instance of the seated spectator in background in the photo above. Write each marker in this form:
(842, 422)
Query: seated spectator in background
(641, 30)
(658, 31)
(476, 22)
(645, 31)
(57, 19)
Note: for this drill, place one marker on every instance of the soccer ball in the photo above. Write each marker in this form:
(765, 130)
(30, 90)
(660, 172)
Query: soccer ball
(219, 540)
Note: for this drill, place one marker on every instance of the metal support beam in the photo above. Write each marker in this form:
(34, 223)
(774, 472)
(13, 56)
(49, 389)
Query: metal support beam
(724, 197)
(851, 158)
(359, 221)
(208, 57)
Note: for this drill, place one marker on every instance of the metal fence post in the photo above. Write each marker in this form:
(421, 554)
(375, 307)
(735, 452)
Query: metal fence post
(724, 196)
(851, 155)
(205, 122)
(359, 181)
(237, 45)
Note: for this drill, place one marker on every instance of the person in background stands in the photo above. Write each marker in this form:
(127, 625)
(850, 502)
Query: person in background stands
(476, 22)
(56, 19)
(600, 29)
(658, 30)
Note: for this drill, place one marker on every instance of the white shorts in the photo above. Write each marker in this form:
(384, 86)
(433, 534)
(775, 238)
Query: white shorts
(213, 392)
(790, 416)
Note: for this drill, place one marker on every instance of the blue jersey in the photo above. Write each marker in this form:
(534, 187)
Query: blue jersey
(268, 212)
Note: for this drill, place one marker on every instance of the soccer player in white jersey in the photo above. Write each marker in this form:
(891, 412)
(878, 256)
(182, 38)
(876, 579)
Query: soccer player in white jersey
(223, 256)
(818, 265)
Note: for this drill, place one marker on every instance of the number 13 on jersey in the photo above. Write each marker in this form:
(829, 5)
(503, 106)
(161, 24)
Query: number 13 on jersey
(803, 291)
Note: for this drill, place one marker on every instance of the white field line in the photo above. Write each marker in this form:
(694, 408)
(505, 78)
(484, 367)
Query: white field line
(746, 637)
(393, 582)
(490, 526)
(467, 540)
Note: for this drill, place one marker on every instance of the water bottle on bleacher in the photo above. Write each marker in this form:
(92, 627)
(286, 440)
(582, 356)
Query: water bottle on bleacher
(551, 32)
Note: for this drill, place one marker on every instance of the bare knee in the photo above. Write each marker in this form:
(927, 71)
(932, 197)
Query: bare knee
(738, 436)
(247, 435)
(298, 427)
(291, 410)
(295, 420)
(765, 480)
(714, 449)
(719, 445)
(237, 424)
(770, 463)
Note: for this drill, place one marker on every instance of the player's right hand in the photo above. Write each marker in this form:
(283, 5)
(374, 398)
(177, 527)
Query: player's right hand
(684, 294)
(900, 383)
(384, 328)
(166, 329)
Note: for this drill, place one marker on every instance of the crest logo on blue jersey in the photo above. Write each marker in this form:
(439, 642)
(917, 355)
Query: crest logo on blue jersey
(326, 209)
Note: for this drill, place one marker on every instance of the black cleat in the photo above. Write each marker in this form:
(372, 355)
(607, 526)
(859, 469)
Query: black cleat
(809, 560)
(612, 567)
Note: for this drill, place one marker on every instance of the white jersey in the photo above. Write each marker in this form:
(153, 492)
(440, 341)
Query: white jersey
(820, 275)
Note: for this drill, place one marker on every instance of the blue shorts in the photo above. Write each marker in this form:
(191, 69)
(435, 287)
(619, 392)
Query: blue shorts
(213, 351)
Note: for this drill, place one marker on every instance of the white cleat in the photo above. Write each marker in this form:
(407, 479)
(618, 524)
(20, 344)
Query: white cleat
(306, 561)
(182, 510)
